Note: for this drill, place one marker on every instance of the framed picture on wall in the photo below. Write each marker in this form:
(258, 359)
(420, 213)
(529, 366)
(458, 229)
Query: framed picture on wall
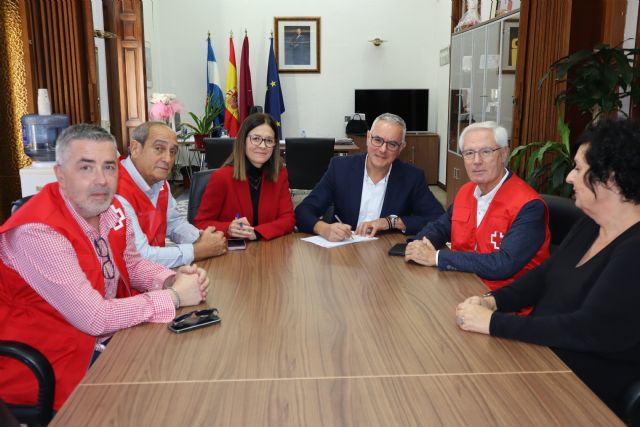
(297, 44)
(509, 46)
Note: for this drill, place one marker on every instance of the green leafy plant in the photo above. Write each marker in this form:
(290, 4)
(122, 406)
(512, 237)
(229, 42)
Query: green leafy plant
(206, 124)
(542, 174)
(597, 80)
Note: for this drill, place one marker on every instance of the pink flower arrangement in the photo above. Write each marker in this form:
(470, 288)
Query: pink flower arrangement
(164, 106)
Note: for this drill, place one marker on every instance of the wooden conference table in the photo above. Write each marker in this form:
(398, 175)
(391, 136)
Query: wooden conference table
(343, 336)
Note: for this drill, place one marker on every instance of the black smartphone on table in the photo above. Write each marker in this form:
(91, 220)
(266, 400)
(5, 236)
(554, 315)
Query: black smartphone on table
(194, 320)
(236, 244)
(399, 248)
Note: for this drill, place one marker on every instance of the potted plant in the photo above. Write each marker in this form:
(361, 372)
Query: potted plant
(597, 82)
(205, 125)
(537, 166)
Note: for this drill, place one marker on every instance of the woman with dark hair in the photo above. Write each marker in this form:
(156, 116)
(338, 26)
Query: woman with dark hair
(248, 197)
(586, 294)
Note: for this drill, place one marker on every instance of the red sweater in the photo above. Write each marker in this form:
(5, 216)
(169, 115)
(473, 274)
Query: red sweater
(225, 197)
(27, 318)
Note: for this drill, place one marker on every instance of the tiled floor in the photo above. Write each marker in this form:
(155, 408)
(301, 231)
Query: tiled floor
(441, 195)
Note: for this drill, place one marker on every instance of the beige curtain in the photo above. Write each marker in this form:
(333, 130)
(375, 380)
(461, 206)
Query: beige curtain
(13, 104)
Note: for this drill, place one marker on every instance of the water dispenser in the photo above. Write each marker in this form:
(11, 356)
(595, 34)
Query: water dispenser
(39, 135)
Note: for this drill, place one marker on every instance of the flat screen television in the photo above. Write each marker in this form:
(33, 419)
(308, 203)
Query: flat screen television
(410, 104)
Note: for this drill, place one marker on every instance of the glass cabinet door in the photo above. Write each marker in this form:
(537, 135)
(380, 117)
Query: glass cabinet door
(482, 81)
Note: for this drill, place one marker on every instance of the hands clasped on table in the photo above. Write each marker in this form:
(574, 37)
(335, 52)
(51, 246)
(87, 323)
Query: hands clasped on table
(240, 228)
(191, 285)
(210, 243)
(474, 314)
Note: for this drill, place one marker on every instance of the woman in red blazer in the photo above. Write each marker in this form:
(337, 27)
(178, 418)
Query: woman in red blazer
(248, 197)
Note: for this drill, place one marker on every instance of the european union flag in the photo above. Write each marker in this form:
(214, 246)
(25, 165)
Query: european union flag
(214, 92)
(273, 102)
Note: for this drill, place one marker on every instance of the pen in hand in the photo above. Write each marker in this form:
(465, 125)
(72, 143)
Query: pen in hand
(340, 221)
(238, 217)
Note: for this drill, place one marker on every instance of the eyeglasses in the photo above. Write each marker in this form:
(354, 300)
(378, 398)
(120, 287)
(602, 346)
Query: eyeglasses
(485, 153)
(108, 269)
(257, 140)
(379, 142)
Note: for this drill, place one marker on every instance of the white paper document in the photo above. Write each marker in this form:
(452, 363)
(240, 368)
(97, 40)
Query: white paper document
(321, 241)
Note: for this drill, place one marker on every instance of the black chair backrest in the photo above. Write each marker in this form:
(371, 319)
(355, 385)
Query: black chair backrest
(217, 150)
(563, 213)
(42, 412)
(17, 204)
(307, 159)
(631, 404)
(199, 182)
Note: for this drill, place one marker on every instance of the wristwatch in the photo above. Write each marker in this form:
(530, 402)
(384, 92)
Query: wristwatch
(393, 219)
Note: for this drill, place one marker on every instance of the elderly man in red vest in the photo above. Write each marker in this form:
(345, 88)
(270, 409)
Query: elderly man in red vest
(497, 224)
(144, 192)
(63, 258)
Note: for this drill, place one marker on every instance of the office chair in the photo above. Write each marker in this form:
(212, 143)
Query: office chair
(563, 213)
(17, 204)
(41, 413)
(631, 405)
(307, 159)
(199, 183)
(217, 150)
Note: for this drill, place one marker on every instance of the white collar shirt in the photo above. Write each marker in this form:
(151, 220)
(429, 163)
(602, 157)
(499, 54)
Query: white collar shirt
(485, 200)
(372, 196)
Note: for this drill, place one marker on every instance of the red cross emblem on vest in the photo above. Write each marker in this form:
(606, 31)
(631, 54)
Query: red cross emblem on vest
(496, 239)
(120, 223)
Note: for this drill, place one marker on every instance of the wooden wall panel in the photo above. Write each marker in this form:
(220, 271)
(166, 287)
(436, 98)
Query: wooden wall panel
(543, 39)
(549, 31)
(61, 57)
(125, 58)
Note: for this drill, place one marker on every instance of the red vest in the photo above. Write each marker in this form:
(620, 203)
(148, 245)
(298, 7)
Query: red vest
(503, 210)
(152, 219)
(27, 318)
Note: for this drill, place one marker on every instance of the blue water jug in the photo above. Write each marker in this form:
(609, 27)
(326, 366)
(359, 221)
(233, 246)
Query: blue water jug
(39, 134)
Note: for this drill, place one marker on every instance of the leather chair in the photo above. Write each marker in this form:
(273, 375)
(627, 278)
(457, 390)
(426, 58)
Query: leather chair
(17, 204)
(631, 405)
(217, 150)
(41, 413)
(199, 183)
(563, 213)
(307, 159)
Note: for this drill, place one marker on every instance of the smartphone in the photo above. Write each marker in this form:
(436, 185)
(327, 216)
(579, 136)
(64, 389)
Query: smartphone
(194, 320)
(236, 244)
(398, 249)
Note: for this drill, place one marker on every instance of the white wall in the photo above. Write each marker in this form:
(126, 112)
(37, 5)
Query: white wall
(415, 31)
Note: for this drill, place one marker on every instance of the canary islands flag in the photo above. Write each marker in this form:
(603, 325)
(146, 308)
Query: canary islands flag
(273, 102)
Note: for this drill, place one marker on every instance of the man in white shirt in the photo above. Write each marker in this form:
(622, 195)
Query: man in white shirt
(144, 192)
(371, 192)
(497, 224)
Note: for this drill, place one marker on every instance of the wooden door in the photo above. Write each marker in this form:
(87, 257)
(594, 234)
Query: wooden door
(125, 68)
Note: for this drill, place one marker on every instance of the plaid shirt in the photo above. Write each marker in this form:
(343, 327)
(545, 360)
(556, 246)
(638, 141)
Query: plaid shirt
(47, 262)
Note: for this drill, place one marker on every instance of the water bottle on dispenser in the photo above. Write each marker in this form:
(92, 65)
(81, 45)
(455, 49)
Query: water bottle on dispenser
(40, 134)
(40, 131)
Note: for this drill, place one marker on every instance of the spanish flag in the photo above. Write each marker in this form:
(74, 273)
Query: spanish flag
(231, 122)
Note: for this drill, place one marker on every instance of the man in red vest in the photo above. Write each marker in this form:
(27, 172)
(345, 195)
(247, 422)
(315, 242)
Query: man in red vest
(63, 258)
(144, 192)
(497, 224)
